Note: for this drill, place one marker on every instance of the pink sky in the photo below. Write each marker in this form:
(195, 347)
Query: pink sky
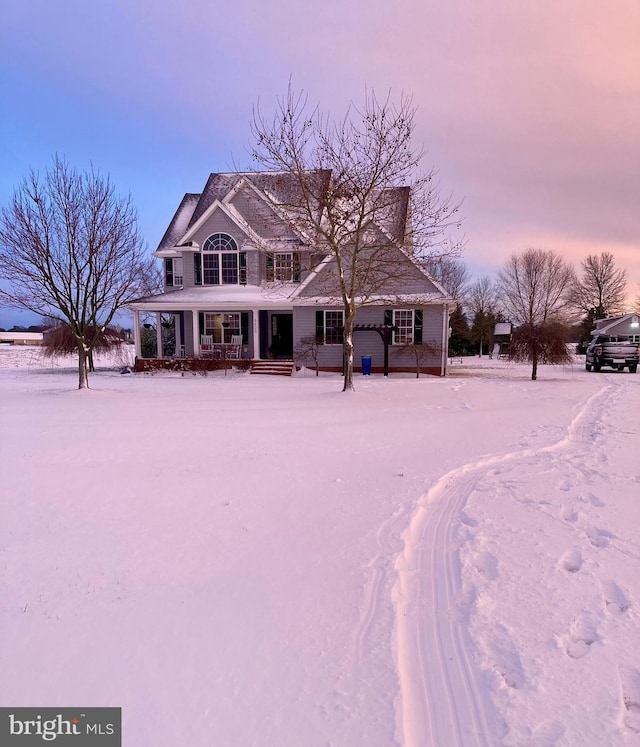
(530, 110)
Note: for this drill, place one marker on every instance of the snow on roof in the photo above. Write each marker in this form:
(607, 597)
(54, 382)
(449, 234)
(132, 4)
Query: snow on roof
(418, 299)
(279, 188)
(502, 328)
(180, 221)
(603, 325)
(229, 296)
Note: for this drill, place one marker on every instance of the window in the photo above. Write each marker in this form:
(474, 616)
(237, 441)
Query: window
(408, 325)
(221, 262)
(403, 320)
(330, 327)
(221, 326)
(283, 267)
(173, 273)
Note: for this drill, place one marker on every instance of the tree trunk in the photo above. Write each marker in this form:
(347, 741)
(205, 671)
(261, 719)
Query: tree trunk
(347, 348)
(534, 370)
(83, 377)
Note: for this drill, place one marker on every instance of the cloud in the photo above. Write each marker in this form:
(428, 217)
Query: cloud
(529, 110)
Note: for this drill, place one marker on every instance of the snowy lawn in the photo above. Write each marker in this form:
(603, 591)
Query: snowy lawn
(249, 560)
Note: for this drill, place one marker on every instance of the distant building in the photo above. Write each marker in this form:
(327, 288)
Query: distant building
(21, 338)
(627, 325)
(501, 339)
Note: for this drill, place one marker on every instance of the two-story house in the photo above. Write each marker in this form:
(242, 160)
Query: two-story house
(236, 268)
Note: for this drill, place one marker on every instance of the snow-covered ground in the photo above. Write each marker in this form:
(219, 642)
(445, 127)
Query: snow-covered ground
(248, 560)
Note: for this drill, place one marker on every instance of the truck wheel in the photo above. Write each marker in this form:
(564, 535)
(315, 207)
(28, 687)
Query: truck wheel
(597, 367)
(634, 368)
(587, 366)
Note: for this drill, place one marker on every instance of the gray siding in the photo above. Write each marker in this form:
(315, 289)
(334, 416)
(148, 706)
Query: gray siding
(188, 272)
(370, 342)
(219, 222)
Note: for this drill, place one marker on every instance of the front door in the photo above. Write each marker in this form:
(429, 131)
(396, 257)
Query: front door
(282, 336)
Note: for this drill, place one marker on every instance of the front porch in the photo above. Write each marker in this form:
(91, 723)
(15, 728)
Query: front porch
(219, 335)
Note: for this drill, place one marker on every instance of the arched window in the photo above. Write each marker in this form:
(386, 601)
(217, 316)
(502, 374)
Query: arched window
(221, 261)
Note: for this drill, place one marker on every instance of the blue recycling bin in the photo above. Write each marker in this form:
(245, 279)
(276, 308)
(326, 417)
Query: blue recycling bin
(366, 365)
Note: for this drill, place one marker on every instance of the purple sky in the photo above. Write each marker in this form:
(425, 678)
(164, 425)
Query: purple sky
(529, 109)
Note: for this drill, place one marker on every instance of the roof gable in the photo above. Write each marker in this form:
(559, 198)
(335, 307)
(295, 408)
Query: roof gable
(625, 321)
(180, 221)
(399, 277)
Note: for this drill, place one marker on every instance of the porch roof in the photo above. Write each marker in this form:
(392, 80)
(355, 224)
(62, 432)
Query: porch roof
(276, 295)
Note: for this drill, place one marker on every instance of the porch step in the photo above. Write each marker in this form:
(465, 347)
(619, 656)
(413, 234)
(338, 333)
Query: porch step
(272, 368)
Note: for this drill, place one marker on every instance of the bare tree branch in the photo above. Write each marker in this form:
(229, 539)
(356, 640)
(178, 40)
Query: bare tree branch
(600, 289)
(352, 190)
(535, 287)
(70, 249)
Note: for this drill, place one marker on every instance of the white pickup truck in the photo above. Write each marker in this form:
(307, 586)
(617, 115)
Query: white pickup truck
(614, 352)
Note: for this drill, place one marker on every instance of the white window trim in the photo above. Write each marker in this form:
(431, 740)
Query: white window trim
(218, 252)
(325, 326)
(394, 340)
(213, 329)
(178, 271)
(283, 267)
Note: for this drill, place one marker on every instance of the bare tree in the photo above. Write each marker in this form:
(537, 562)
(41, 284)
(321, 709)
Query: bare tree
(535, 288)
(61, 341)
(419, 352)
(600, 289)
(540, 343)
(70, 249)
(482, 301)
(308, 349)
(358, 198)
(451, 272)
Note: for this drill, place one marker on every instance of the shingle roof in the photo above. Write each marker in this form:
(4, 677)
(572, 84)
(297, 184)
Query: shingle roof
(280, 187)
(180, 222)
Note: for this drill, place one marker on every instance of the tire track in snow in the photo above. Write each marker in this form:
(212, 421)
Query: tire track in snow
(379, 566)
(444, 698)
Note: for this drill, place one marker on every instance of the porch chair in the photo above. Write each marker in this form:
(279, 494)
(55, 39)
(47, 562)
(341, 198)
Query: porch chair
(234, 349)
(206, 346)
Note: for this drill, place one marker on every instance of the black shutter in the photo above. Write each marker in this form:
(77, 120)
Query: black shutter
(320, 327)
(168, 272)
(242, 265)
(270, 273)
(201, 322)
(244, 327)
(197, 268)
(388, 318)
(417, 327)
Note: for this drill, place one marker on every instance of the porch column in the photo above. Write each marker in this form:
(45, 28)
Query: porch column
(196, 333)
(176, 327)
(136, 333)
(158, 334)
(255, 353)
(445, 339)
